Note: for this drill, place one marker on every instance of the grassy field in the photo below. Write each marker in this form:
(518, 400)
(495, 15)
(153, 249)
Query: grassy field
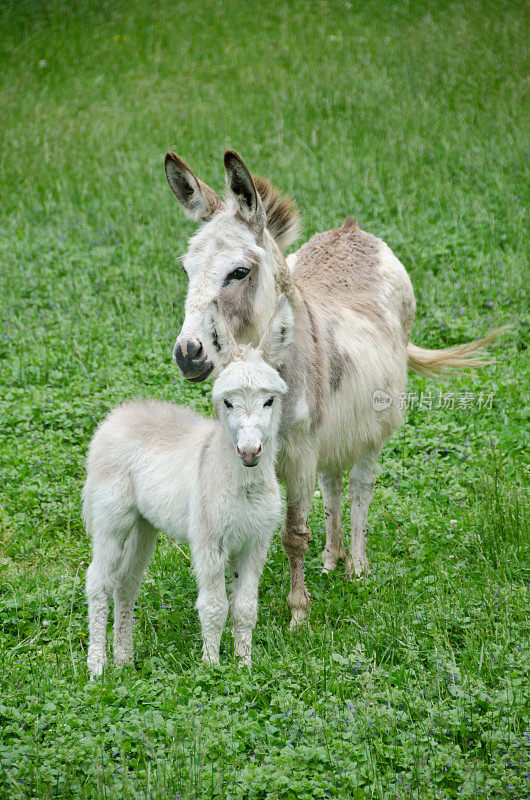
(409, 116)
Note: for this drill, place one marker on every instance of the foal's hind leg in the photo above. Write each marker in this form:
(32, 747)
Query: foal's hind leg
(362, 481)
(331, 488)
(101, 577)
(138, 552)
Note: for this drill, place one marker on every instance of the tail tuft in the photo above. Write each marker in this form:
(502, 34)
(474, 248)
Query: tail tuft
(433, 363)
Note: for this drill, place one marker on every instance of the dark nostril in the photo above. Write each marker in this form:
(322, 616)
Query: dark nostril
(249, 455)
(194, 349)
(188, 352)
(177, 352)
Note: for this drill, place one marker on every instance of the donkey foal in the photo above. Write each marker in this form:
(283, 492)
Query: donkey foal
(154, 466)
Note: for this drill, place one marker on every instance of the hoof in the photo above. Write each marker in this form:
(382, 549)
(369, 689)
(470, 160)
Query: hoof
(96, 672)
(328, 564)
(124, 661)
(96, 667)
(300, 619)
(358, 569)
(331, 560)
(210, 661)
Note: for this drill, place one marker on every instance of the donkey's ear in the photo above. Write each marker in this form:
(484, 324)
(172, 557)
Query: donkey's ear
(196, 198)
(218, 341)
(242, 189)
(279, 334)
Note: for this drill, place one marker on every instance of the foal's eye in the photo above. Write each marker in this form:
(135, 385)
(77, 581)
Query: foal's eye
(269, 402)
(236, 275)
(227, 404)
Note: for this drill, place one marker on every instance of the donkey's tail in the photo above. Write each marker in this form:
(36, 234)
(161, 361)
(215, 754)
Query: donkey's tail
(432, 363)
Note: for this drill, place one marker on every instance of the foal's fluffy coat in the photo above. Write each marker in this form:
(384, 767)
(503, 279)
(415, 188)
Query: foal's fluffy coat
(154, 466)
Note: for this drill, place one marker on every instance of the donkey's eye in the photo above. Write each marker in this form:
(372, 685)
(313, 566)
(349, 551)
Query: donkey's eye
(269, 402)
(227, 404)
(236, 275)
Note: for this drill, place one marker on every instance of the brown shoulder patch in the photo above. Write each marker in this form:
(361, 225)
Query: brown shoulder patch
(283, 221)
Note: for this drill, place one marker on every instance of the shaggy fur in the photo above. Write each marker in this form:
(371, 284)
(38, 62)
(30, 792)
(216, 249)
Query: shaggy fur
(283, 221)
(154, 466)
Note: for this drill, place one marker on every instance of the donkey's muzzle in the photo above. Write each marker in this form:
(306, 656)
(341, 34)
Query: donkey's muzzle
(191, 359)
(250, 455)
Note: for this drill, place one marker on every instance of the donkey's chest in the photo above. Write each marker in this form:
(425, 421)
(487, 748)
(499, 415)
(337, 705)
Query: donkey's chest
(250, 516)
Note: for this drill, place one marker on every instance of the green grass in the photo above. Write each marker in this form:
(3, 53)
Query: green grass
(410, 116)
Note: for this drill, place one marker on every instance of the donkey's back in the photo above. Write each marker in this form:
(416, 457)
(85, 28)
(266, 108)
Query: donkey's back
(354, 269)
(142, 453)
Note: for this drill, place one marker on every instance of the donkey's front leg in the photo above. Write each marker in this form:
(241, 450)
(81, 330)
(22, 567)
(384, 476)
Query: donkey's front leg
(300, 484)
(212, 602)
(295, 540)
(362, 481)
(246, 571)
(331, 488)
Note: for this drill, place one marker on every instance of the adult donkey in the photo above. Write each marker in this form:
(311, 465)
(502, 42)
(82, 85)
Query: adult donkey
(346, 368)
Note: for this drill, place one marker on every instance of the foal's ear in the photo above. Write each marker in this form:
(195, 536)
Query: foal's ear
(279, 334)
(218, 341)
(198, 201)
(243, 191)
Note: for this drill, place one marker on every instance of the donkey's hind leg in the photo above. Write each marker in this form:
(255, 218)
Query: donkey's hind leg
(101, 579)
(331, 488)
(362, 481)
(138, 552)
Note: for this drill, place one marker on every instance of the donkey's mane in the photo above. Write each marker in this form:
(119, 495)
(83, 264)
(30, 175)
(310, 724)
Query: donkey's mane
(283, 221)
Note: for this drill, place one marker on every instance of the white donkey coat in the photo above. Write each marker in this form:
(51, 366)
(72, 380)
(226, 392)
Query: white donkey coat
(154, 466)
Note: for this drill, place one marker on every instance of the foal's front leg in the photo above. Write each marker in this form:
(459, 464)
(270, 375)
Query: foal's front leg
(212, 602)
(246, 571)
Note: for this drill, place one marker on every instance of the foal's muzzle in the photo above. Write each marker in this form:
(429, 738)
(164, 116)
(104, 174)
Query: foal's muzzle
(250, 455)
(191, 359)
